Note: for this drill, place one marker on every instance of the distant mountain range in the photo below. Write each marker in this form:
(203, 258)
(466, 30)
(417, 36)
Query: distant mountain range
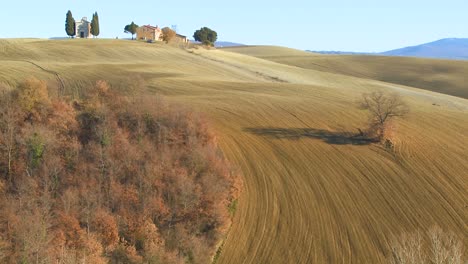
(334, 52)
(450, 48)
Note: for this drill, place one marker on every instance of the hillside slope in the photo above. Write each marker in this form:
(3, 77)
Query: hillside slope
(310, 195)
(442, 76)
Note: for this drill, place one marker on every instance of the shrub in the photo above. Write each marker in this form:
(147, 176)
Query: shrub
(168, 34)
(32, 94)
(36, 149)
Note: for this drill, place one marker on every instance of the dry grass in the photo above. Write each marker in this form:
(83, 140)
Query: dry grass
(310, 196)
(443, 76)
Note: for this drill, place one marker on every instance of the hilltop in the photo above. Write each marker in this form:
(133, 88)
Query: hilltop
(310, 194)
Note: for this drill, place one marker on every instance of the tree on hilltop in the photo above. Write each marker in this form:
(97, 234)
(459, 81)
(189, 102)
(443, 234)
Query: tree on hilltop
(70, 25)
(95, 25)
(206, 36)
(131, 29)
(168, 34)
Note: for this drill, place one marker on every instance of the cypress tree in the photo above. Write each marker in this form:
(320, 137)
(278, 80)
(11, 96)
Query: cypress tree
(95, 25)
(70, 24)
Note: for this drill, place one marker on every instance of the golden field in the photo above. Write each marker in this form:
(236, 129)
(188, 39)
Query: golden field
(442, 76)
(310, 195)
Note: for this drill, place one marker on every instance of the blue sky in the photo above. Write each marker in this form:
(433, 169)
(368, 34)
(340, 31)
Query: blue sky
(349, 25)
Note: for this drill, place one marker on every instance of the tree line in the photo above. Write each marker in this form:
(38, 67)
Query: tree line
(167, 33)
(204, 35)
(70, 25)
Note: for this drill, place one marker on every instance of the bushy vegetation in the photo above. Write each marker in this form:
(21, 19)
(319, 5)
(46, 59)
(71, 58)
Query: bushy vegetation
(206, 36)
(168, 34)
(108, 179)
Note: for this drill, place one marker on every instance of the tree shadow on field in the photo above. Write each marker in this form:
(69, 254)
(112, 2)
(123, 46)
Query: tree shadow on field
(334, 138)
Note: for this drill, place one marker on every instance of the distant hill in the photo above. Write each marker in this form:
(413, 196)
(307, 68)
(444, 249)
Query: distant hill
(334, 52)
(438, 75)
(450, 48)
(222, 44)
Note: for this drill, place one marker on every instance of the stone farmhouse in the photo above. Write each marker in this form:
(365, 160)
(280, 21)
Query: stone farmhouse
(83, 28)
(154, 33)
(182, 38)
(149, 32)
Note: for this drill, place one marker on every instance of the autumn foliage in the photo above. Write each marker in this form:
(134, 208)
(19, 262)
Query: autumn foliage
(168, 34)
(108, 179)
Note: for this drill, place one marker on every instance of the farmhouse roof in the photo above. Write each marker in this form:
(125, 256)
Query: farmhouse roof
(152, 27)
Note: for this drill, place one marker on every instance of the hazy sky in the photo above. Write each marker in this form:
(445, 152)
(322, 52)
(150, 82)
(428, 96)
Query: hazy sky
(349, 25)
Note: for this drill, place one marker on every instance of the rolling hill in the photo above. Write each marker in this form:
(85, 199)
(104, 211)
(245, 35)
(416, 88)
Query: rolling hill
(306, 198)
(443, 76)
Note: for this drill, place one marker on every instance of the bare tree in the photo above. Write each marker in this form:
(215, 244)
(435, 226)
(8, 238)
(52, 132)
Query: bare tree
(443, 248)
(408, 249)
(382, 106)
